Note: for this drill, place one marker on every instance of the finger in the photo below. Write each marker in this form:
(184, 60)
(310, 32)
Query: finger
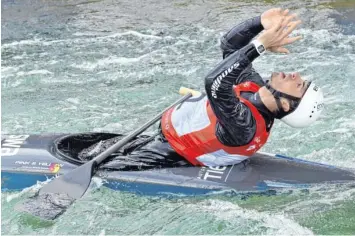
(282, 50)
(289, 19)
(287, 26)
(285, 20)
(290, 40)
(285, 12)
(290, 28)
(279, 50)
(278, 26)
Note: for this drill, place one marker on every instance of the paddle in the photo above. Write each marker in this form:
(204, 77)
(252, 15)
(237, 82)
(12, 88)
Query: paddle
(75, 183)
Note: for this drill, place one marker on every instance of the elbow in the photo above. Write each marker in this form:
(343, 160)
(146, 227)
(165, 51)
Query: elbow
(225, 46)
(222, 44)
(208, 81)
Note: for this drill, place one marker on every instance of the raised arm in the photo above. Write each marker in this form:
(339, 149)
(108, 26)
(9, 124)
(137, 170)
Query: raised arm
(234, 116)
(240, 35)
(236, 124)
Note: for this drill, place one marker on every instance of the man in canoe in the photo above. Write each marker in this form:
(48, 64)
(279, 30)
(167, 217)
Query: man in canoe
(234, 118)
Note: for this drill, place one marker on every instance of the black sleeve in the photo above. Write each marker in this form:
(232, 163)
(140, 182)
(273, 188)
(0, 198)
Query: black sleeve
(240, 35)
(236, 124)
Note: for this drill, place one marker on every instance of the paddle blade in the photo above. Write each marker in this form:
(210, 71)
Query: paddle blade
(73, 184)
(55, 197)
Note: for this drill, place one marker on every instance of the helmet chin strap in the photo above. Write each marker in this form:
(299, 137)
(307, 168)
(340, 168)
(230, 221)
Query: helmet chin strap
(294, 101)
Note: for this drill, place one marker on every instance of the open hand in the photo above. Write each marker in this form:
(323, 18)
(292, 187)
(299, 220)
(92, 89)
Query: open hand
(272, 16)
(277, 36)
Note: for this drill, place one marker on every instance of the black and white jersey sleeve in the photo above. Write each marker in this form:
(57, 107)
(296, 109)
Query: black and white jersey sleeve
(236, 124)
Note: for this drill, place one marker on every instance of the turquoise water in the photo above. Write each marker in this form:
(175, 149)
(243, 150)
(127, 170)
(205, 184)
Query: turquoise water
(70, 66)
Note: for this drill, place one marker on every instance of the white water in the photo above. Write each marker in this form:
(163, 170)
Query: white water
(99, 68)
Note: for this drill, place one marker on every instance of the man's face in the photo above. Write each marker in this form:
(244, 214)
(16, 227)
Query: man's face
(291, 84)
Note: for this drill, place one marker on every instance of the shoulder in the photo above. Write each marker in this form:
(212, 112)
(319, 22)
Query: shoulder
(250, 75)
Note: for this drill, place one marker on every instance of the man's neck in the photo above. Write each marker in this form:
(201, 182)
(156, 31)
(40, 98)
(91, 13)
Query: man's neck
(267, 99)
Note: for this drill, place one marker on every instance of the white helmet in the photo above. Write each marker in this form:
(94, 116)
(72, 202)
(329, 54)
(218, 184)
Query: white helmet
(308, 110)
(304, 110)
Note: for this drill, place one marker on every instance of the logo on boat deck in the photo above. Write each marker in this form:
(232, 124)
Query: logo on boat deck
(54, 167)
(11, 145)
(213, 173)
(39, 166)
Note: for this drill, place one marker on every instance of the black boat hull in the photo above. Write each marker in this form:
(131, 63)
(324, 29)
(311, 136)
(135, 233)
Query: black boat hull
(27, 159)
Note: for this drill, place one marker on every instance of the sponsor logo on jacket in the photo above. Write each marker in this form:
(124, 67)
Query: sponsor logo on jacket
(217, 81)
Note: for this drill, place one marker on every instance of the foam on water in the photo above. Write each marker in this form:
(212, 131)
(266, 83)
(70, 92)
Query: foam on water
(75, 101)
(329, 155)
(33, 189)
(20, 43)
(34, 72)
(276, 224)
(109, 73)
(108, 61)
(134, 33)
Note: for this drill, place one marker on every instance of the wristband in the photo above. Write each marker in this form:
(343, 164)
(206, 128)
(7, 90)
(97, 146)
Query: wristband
(259, 47)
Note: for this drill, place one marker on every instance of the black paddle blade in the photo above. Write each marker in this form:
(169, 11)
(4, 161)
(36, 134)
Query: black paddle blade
(55, 197)
(74, 184)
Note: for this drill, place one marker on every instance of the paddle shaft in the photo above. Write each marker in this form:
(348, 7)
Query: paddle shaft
(100, 158)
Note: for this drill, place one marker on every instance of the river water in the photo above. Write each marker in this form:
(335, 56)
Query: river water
(101, 65)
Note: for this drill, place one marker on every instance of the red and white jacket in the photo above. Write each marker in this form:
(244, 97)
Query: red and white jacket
(190, 129)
